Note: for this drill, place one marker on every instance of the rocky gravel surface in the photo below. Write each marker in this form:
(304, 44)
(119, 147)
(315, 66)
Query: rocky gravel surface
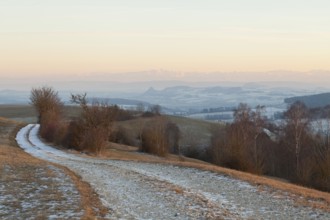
(133, 190)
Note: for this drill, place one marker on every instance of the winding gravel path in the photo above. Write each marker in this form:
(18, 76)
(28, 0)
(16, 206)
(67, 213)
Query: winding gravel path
(135, 190)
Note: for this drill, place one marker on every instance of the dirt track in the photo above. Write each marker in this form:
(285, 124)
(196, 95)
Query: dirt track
(156, 191)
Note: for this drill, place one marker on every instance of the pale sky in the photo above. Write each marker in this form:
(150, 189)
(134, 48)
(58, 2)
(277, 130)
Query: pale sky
(105, 36)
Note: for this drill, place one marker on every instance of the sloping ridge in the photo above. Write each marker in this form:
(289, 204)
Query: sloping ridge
(312, 101)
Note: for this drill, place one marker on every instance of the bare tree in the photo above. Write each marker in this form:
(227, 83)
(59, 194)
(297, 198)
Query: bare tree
(297, 123)
(140, 107)
(49, 108)
(327, 130)
(45, 99)
(242, 138)
(220, 145)
(155, 109)
(153, 137)
(244, 119)
(258, 120)
(159, 136)
(322, 152)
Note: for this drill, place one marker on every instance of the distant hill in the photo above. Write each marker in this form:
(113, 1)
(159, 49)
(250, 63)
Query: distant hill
(311, 101)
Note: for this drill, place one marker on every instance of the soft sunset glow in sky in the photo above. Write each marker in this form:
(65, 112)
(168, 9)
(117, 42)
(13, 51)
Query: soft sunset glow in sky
(84, 36)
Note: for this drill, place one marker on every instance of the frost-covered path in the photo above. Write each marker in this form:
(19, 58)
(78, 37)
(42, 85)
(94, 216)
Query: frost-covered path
(156, 191)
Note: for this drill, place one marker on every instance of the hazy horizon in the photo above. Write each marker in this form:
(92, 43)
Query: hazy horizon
(66, 38)
(121, 84)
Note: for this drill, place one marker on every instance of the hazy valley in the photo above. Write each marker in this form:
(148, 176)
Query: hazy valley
(177, 94)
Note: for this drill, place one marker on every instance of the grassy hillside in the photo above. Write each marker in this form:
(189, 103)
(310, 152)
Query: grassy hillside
(193, 133)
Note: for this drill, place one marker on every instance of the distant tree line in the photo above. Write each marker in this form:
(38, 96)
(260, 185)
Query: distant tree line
(219, 109)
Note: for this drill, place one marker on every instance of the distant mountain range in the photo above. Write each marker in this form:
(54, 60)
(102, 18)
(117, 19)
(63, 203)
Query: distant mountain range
(188, 97)
(177, 90)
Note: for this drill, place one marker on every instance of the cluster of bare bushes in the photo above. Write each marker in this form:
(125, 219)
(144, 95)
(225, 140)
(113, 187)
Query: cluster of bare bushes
(88, 132)
(293, 150)
(92, 130)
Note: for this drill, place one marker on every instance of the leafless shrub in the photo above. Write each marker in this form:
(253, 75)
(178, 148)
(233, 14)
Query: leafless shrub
(219, 145)
(159, 136)
(53, 129)
(45, 100)
(296, 130)
(122, 135)
(92, 129)
(74, 136)
(49, 125)
(153, 111)
(60, 132)
(94, 139)
(315, 169)
(49, 107)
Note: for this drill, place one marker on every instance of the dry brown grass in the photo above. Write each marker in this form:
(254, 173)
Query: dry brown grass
(191, 129)
(9, 151)
(123, 152)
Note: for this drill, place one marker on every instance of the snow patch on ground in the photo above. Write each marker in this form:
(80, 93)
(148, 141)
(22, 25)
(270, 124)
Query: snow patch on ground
(41, 193)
